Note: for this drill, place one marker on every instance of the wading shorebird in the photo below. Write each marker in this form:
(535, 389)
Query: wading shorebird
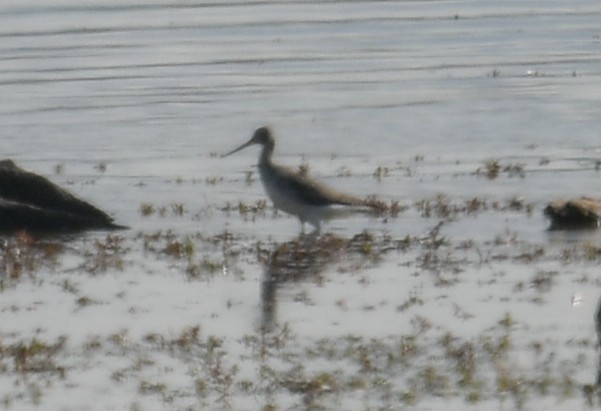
(296, 194)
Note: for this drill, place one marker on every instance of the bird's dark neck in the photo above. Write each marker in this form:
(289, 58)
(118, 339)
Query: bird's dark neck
(266, 154)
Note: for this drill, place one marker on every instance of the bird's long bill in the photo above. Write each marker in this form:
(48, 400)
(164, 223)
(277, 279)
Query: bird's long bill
(243, 146)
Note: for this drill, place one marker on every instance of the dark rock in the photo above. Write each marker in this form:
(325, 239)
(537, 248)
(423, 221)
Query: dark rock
(31, 202)
(581, 213)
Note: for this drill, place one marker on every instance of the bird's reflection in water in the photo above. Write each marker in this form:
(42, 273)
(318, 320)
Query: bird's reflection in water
(592, 391)
(302, 259)
(598, 328)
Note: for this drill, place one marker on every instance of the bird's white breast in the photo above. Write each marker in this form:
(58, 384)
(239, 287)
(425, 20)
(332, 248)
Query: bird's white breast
(284, 198)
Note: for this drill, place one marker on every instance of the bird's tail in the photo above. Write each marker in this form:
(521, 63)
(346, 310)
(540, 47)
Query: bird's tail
(371, 202)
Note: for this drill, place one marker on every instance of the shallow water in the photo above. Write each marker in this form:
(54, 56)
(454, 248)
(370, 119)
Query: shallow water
(131, 103)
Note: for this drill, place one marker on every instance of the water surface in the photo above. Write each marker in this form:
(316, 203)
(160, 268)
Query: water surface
(130, 104)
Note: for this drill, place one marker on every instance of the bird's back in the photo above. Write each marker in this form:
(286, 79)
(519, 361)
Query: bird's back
(303, 189)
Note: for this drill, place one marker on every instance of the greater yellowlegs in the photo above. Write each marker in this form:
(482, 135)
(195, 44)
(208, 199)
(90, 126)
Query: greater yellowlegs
(293, 193)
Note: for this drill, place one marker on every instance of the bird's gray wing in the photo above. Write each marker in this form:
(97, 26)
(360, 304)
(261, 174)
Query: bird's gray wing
(310, 191)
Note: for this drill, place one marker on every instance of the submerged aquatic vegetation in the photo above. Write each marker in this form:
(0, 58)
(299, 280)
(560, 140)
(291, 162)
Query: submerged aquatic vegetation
(422, 354)
(147, 209)
(441, 206)
(23, 255)
(248, 211)
(381, 172)
(177, 209)
(542, 281)
(36, 364)
(107, 254)
(493, 168)
(36, 356)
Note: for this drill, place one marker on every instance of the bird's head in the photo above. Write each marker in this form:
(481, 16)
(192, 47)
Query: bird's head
(262, 136)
